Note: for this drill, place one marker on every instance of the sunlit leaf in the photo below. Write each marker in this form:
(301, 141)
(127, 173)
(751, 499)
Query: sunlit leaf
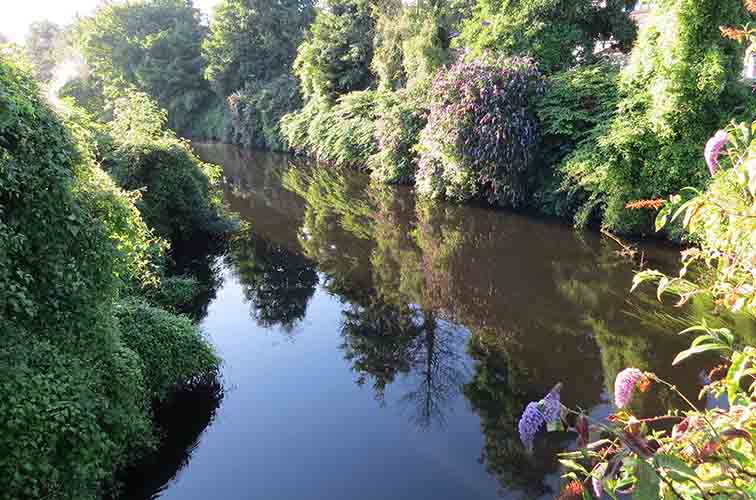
(697, 350)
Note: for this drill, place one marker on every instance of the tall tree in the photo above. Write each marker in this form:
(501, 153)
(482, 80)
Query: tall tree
(335, 58)
(558, 33)
(254, 40)
(40, 46)
(154, 45)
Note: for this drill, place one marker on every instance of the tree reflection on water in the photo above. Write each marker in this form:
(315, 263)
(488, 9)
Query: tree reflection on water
(441, 302)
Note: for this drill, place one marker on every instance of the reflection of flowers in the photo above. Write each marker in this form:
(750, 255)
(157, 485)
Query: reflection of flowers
(624, 385)
(537, 414)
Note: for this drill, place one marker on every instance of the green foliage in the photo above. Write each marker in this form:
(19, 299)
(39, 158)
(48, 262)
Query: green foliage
(76, 405)
(682, 82)
(171, 348)
(481, 134)
(342, 133)
(335, 57)
(257, 110)
(557, 33)
(253, 41)
(173, 293)
(181, 200)
(402, 117)
(70, 239)
(68, 418)
(721, 219)
(153, 45)
(411, 43)
(576, 104)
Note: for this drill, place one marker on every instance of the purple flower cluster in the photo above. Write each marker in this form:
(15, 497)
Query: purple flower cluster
(531, 420)
(537, 414)
(713, 149)
(624, 385)
(482, 129)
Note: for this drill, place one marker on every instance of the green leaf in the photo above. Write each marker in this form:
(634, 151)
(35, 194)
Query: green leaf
(679, 470)
(571, 464)
(647, 482)
(662, 217)
(697, 350)
(734, 374)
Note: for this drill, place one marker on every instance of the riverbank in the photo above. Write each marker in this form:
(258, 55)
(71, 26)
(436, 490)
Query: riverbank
(90, 340)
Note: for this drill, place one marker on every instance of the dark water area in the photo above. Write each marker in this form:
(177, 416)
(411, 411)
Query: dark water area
(378, 347)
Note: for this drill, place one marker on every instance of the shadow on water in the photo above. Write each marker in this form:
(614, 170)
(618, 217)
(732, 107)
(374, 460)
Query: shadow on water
(181, 420)
(439, 303)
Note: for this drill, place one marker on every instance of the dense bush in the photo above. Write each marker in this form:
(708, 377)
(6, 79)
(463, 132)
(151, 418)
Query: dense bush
(179, 197)
(171, 348)
(343, 133)
(75, 399)
(257, 110)
(68, 234)
(557, 33)
(683, 81)
(576, 104)
(402, 117)
(480, 139)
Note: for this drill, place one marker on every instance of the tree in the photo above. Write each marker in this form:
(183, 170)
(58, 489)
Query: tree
(683, 81)
(254, 40)
(558, 33)
(335, 58)
(153, 45)
(40, 48)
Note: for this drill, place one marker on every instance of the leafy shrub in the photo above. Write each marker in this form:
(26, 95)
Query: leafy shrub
(174, 293)
(257, 110)
(556, 33)
(75, 400)
(683, 81)
(70, 238)
(576, 105)
(482, 131)
(402, 118)
(343, 134)
(172, 349)
(180, 199)
(68, 420)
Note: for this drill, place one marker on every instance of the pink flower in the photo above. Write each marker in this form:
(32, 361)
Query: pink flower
(624, 385)
(713, 148)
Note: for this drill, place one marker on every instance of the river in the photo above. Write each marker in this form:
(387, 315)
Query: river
(376, 347)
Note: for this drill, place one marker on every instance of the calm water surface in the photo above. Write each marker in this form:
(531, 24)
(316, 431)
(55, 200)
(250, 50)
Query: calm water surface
(379, 348)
